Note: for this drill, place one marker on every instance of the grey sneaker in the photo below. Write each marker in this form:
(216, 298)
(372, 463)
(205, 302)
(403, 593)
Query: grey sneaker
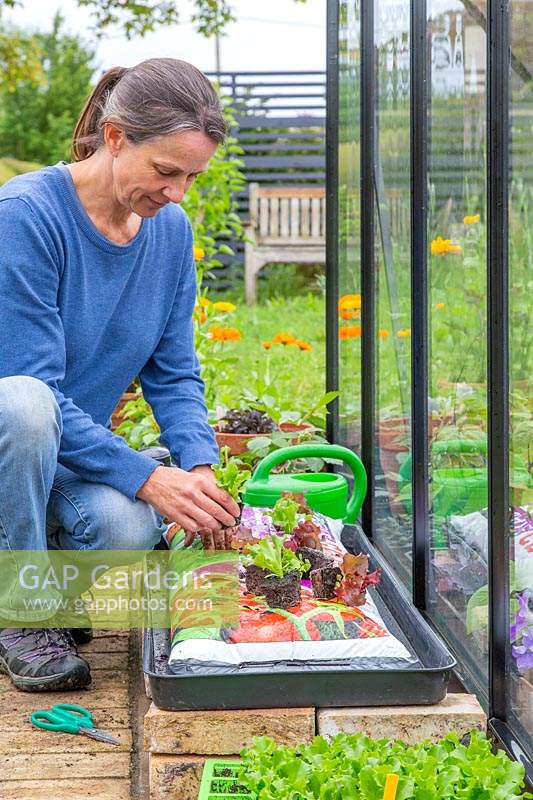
(42, 659)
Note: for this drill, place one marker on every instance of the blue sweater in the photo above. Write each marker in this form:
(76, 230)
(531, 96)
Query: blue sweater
(86, 315)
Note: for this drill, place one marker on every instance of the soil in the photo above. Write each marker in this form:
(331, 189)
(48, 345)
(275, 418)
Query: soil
(316, 559)
(254, 577)
(282, 592)
(324, 582)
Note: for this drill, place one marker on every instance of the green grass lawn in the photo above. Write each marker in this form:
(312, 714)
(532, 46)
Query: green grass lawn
(291, 373)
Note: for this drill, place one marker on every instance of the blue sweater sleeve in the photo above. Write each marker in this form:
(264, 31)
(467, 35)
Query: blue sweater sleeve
(171, 380)
(32, 343)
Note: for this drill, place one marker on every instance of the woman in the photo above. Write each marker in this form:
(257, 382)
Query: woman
(98, 285)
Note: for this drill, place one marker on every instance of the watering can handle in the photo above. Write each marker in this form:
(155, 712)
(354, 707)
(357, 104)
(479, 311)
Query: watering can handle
(355, 502)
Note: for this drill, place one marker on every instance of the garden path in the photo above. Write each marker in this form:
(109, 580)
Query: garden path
(39, 765)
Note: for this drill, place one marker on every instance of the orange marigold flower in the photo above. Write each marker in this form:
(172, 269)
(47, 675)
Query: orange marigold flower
(382, 333)
(223, 306)
(350, 302)
(202, 316)
(404, 333)
(284, 338)
(198, 253)
(439, 306)
(267, 345)
(440, 247)
(203, 301)
(347, 314)
(302, 345)
(471, 219)
(221, 334)
(350, 332)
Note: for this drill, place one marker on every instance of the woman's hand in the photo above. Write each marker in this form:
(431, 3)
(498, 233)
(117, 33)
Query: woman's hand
(191, 499)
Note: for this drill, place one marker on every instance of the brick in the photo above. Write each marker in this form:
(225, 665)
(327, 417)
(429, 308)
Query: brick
(173, 777)
(19, 766)
(224, 732)
(70, 789)
(457, 712)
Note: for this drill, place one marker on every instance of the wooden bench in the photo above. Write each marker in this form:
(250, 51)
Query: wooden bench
(286, 225)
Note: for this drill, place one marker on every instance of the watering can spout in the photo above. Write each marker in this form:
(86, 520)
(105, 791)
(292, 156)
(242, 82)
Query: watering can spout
(325, 493)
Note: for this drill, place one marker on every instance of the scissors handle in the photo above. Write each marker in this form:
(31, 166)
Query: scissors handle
(65, 717)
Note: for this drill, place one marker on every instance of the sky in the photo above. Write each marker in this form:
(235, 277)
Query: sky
(278, 35)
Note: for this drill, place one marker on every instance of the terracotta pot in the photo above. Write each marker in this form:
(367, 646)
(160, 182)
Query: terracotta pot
(116, 417)
(237, 441)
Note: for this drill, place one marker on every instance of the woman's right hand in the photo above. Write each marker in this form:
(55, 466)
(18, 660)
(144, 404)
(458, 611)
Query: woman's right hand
(192, 500)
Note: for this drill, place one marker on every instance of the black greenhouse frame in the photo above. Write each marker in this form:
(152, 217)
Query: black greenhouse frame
(498, 65)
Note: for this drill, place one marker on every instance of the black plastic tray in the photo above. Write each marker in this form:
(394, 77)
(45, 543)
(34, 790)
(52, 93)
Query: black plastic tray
(421, 682)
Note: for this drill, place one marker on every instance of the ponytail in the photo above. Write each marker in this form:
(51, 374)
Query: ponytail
(157, 97)
(87, 135)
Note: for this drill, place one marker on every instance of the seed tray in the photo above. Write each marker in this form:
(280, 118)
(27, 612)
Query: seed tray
(219, 781)
(328, 684)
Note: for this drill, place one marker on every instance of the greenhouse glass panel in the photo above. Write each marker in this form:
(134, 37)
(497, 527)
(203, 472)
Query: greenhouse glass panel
(392, 506)
(349, 226)
(458, 321)
(520, 665)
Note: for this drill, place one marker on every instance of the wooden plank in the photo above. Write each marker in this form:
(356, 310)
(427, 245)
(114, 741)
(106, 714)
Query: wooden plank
(69, 789)
(292, 191)
(304, 218)
(295, 218)
(284, 217)
(82, 765)
(32, 740)
(286, 177)
(14, 702)
(303, 135)
(280, 122)
(294, 162)
(315, 217)
(109, 661)
(106, 718)
(278, 147)
(263, 216)
(113, 644)
(273, 228)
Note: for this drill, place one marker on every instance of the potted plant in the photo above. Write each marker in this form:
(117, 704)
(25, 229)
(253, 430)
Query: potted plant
(394, 437)
(239, 425)
(274, 571)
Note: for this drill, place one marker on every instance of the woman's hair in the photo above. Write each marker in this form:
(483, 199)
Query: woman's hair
(155, 98)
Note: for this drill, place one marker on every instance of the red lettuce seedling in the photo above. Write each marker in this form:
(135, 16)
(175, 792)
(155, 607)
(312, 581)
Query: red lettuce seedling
(355, 580)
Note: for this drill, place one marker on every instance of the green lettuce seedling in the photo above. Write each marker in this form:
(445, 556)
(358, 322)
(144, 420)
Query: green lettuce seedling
(270, 554)
(285, 514)
(356, 766)
(230, 475)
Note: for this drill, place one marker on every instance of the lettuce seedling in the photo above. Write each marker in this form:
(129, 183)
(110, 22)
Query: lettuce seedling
(285, 514)
(270, 554)
(230, 475)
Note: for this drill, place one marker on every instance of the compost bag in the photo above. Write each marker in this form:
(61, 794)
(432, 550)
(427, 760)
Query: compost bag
(312, 635)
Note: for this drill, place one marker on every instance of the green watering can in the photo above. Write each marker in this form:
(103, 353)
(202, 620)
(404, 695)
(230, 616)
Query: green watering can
(324, 492)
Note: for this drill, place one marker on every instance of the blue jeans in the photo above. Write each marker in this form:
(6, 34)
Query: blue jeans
(44, 505)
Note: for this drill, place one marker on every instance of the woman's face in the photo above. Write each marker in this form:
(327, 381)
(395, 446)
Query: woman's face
(149, 175)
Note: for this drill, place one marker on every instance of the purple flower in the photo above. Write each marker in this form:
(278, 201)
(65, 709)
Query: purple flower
(523, 652)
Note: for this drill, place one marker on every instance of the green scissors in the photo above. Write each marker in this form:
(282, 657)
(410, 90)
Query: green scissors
(70, 718)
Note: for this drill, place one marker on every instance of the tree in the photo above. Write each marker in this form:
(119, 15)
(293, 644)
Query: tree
(38, 111)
